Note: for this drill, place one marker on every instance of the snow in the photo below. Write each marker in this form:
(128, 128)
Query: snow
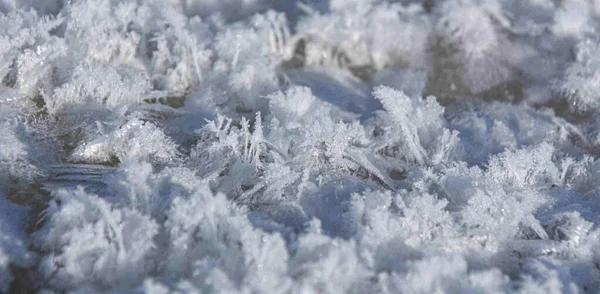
(273, 146)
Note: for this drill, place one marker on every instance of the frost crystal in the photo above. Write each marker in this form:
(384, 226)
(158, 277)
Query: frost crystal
(275, 146)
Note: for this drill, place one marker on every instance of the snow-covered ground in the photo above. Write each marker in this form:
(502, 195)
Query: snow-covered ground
(278, 146)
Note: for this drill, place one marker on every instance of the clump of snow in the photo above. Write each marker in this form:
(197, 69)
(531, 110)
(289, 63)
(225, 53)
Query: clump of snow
(89, 243)
(582, 81)
(271, 146)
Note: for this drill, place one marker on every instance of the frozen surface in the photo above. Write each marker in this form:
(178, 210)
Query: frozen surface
(274, 146)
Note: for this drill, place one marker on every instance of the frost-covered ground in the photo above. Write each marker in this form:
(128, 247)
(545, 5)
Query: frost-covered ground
(275, 146)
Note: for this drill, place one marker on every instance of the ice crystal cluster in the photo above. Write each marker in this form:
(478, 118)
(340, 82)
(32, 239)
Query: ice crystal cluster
(279, 146)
